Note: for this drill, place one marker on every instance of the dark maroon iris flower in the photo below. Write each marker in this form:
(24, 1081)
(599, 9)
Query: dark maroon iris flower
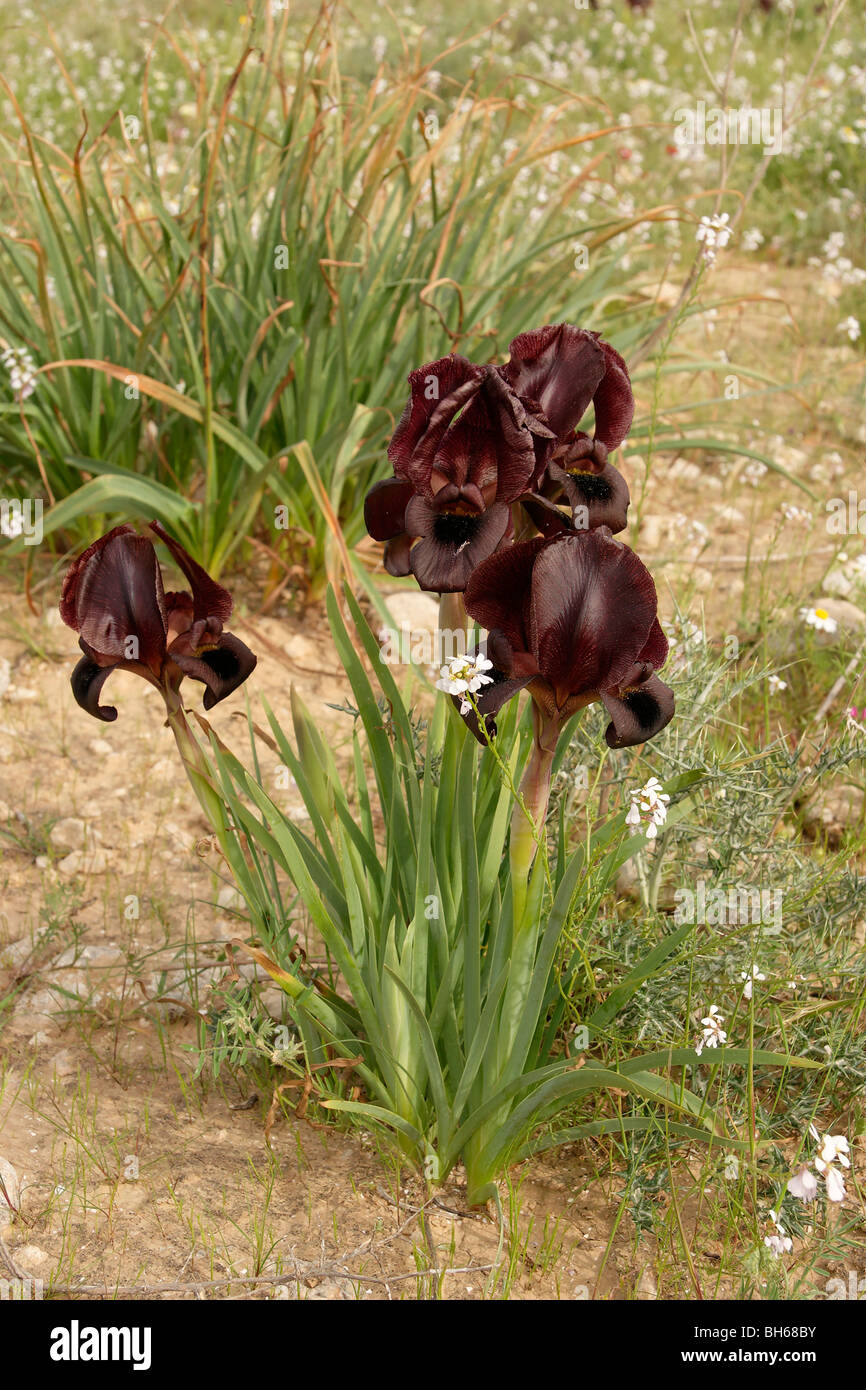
(573, 619)
(464, 450)
(474, 440)
(113, 597)
(558, 372)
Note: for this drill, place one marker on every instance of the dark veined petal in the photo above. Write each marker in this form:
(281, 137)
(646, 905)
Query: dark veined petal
(560, 368)
(437, 391)
(385, 508)
(504, 453)
(487, 446)
(656, 650)
(593, 606)
(638, 713)
(396, 556)
(210, 600)
(452, 544)
(68, 610)
(116, 602)
(583, 452)
(546, 517)
(614, 400)
(500, 590)
(87, 681)
(222, 668)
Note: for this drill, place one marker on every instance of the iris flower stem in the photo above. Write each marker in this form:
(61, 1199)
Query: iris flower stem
(200, 774)
(528, 816)
(452, 618)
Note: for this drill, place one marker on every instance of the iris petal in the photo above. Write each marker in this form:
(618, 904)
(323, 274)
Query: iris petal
(438, 390)
(452, 545)
(593, 605)
(117, 602)
(396, 556)
(222, 668)
(210, 600)
(614, 400)
(598, 498)
(560, 367)
(638, 714)
(385, 508)
(87, 681)
(499, 591)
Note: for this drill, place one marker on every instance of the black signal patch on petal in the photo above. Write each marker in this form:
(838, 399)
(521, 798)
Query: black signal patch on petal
(639, 713)
(221, 668)
(456, 528)
(592, 486)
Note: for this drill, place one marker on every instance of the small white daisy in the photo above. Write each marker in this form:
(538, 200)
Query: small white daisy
(818, 618)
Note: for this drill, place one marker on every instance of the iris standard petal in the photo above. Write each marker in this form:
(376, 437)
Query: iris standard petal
(593, 605)
(614, 400)
(560, 368)
(499, 591)
(68, 609)
(118, 600)
(437, 391)
(210, 600)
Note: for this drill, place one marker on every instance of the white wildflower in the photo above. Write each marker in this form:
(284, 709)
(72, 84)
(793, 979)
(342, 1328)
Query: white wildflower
(713, 1034)
(714, 234)
(649, 804)
(777, 1240)
(833, 1149)
(750, 977)
(818, 618)
(775, 684)
(22, 371)
(792, 513)
(465, 675)
(804, 1185)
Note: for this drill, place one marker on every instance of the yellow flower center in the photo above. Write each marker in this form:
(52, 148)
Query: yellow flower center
(821, 613)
